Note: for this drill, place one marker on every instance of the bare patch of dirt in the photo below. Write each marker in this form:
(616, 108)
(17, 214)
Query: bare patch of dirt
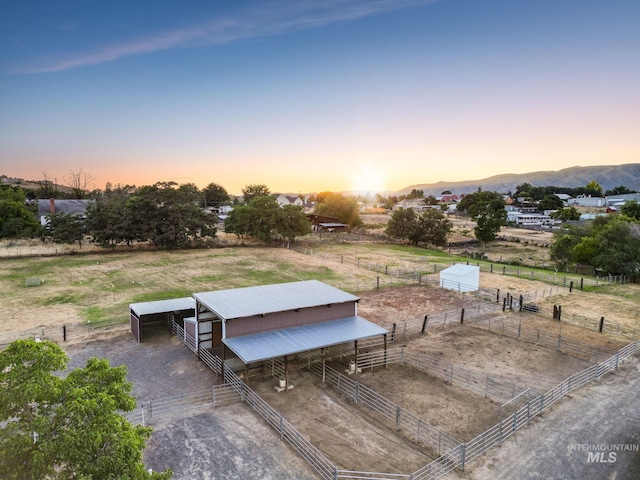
(351, 438)
(457, 412)
(483, 351)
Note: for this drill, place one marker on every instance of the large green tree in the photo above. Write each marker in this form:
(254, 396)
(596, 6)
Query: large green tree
(65, 228)
(59, 428)
(429, 227)
(566, 214)
(262, 218)
(16, 220)
(487, 209)
(609, 244)
(550, 202)
(593, 188)
(631, 209)
(249, 192)
(339, 206)
(402, 224)
(215, 195)
(619, 190)
(165, 213)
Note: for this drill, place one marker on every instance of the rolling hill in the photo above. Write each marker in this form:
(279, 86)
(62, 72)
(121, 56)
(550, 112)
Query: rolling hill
(608, 177)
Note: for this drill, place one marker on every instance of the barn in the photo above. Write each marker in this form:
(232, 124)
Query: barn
(461, 278)
(146, 315)
(255, 324)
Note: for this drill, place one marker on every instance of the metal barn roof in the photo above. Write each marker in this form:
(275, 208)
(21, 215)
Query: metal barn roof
(249, 301)
(461, 269)
(163, 306)
(288, 341)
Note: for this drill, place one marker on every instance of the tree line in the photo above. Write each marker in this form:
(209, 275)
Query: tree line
(169, 215)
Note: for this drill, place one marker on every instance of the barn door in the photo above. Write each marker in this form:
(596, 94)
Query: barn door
(216, 334)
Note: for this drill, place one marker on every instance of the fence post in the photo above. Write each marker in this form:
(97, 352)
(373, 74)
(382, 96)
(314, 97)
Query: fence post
(64, 333)
(424, 323)
(601, 324)
(498, 296)
(462, 452)
(462, 316)
(521, 300)
(377, 283)
(398, 409)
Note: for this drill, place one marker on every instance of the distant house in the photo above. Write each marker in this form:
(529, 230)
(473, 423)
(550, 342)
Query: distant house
(55, 206)
(618, 200)
(587, 201)
(447, 198)
(416, 204)
(289, 200)
(563, 196)
(529, 219)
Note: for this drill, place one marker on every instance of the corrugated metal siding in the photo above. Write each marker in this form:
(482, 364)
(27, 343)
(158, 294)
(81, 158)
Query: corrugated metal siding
(190, 328)
(135, 327)
(249, 301)
(288, 341)
(290, 318)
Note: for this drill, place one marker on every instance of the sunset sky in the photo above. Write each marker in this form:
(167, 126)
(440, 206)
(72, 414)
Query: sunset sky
(306, 96)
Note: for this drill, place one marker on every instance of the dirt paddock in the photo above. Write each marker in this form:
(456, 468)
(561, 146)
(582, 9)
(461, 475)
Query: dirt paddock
(352, 439)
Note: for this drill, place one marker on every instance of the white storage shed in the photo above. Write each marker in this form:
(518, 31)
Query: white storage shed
(461, 278)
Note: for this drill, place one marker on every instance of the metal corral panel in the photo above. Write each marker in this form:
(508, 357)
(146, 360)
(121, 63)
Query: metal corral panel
(163, 306)
(248, 301)
(288, 341)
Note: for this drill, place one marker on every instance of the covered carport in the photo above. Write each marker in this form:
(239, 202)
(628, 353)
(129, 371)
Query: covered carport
(146, 315)
(282, 343)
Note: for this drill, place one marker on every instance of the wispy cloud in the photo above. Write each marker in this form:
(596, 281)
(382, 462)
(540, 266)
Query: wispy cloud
(276, 18)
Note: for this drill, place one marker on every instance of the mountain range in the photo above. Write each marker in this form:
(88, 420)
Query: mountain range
(609, 177)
